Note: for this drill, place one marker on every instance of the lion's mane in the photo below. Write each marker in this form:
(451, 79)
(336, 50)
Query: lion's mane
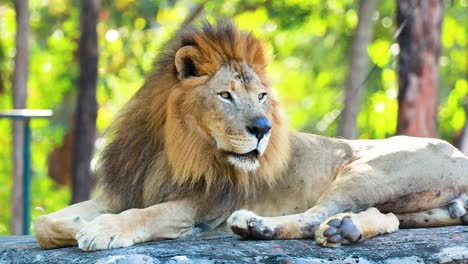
(154, 154)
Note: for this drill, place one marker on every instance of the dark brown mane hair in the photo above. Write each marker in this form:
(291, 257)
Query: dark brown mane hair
(152, 157)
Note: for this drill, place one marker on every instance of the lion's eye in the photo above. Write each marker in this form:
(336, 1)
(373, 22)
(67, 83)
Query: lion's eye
(261, 96)
(225, 95)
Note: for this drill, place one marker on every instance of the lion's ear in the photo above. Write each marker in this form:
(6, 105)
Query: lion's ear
(186, 62)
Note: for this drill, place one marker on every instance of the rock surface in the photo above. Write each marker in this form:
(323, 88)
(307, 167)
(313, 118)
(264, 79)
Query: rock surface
(436, 245)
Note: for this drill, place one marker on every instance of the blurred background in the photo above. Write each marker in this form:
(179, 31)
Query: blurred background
(356, 69)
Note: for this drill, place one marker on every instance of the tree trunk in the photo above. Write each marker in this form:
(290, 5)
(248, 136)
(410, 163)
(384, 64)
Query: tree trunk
(20, 82)
(418, 66)
(85, 125)
(357, 70)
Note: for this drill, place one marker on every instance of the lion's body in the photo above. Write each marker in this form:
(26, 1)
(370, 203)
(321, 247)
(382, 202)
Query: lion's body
(205, 137)
(415, 174)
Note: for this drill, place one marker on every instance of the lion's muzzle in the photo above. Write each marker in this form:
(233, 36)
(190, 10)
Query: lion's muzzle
(259, 127)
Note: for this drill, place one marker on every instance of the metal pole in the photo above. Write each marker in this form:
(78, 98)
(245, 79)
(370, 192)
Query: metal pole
(26, 115)
(26, 177)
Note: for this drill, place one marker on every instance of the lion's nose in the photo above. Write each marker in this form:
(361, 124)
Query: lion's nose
(259, 127)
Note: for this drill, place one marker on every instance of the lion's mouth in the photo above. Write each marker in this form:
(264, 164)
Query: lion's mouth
(249, 156)
(247, 162)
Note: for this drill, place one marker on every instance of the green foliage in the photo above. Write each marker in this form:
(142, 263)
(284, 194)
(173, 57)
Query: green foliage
(309, 40)
(453, 70)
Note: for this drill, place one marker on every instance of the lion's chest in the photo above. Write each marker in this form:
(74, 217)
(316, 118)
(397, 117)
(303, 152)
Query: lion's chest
(311, 170)
(298, 194)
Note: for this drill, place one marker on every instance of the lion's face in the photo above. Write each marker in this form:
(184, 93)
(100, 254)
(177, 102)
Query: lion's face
(199, 125)
(234, 103)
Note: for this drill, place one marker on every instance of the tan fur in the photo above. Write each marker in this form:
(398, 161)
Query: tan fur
(58, 229)
(370, 223)
(182, 157)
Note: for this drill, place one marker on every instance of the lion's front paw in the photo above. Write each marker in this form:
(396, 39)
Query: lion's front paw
(104, 232)
(249, 225)
(337, 230)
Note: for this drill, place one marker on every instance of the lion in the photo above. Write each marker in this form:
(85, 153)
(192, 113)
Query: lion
(205, 142)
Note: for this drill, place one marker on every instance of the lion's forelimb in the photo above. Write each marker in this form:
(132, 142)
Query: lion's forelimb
(58, 229)
(298, 226)
(331, 231)
(161, 221)
(347, 228)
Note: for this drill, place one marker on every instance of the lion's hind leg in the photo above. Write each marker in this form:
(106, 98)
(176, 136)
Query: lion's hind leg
(453, 214)
(59, 229)
(348, 228)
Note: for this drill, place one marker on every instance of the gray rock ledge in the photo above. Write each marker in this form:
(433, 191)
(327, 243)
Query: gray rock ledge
(436, 245)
